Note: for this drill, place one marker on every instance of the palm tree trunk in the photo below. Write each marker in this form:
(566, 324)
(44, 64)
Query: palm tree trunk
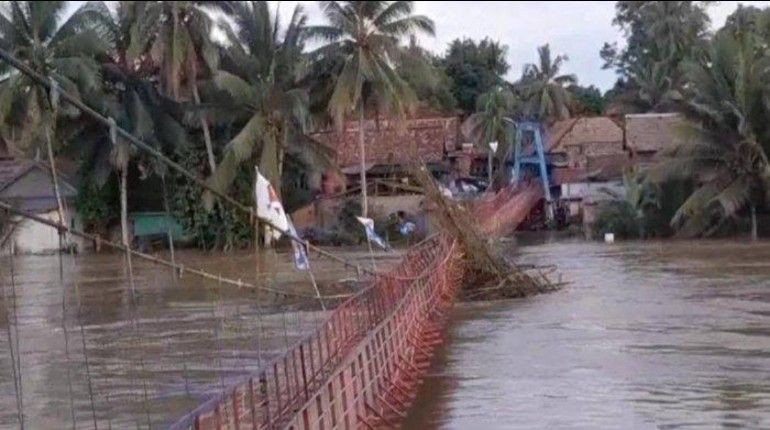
(753, 209)
(206, 132)
(54, 177)
(364, 202)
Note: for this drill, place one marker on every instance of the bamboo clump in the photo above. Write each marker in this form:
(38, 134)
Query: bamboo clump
(490, 275)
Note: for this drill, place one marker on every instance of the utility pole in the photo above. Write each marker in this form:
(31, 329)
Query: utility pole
(492, 151)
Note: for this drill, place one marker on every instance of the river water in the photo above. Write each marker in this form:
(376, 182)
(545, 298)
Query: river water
(648, 335)
(145, 367)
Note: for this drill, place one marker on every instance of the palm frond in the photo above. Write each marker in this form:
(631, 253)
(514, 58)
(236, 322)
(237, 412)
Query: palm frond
(409, 25)
(239, 90)
(237, 151)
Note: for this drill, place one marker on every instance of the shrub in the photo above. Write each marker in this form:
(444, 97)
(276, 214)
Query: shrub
(617, 217)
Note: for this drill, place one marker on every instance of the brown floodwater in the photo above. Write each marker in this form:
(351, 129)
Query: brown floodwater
(648, 335)
(144, 368)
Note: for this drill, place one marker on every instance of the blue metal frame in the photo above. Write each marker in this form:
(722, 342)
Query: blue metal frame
(538, 160)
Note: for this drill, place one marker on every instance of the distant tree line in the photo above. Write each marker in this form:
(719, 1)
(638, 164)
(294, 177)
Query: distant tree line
(250, 96)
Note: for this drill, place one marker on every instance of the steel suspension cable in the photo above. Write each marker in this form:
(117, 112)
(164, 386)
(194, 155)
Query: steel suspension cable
(180, 267)
(46, 82)
(13, 348)
(66, 335)
(85, 356)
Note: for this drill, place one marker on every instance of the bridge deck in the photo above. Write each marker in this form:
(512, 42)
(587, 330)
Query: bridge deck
(362, 368)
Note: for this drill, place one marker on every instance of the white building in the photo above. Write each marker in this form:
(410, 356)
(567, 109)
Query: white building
(28, 186)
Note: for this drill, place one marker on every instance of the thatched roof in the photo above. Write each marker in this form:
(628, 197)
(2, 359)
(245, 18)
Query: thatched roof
(583, 131)
(651, 132)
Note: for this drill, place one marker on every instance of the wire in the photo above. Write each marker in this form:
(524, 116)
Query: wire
(61, 94)
(180, 267)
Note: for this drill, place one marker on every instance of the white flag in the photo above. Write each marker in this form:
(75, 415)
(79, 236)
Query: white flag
(269, 207)
(371, 235)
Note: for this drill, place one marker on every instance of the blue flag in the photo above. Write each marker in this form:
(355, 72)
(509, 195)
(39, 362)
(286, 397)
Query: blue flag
(301, 261)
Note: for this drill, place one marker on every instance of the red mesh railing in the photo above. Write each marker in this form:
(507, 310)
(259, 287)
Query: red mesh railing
(500, 213)
(314, 382)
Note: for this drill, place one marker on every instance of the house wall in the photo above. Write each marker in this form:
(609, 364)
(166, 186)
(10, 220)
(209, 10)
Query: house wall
(32, 237)
(582, 190)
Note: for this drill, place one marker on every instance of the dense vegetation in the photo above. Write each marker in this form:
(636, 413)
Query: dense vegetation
(721, 83)
(249, 96)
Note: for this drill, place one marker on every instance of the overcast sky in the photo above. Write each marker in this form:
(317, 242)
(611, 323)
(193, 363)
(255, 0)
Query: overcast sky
(578, 29)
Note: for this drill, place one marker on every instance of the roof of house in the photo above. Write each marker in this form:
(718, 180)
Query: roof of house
(651, 132)
(11, 169)
(28, 185)
(581, 131)
(388, 143)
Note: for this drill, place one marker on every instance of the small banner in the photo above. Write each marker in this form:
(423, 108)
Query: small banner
(269, 207)
(301, 261)
(407, 228)
(371, 235)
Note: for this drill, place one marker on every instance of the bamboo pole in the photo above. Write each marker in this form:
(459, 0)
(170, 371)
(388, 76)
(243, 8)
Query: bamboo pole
(147, 257)
(143, 146)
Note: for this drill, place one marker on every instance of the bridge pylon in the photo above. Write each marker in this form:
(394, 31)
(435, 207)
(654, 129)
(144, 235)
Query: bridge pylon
(536, 159)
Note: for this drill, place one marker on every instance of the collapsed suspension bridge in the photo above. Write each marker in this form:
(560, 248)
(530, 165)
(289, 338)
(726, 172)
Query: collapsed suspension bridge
(361, 365)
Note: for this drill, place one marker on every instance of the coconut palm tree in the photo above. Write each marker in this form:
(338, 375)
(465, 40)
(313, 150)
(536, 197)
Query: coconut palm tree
(493, 121)
(176, 36)
(258, 86)
(652, 88)
(727, 92)
(544, 89)
(65, 52)
(366, 34)
(130, 97)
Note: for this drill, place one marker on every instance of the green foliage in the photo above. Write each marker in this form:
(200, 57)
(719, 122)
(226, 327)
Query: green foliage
(474, 68)
(660, 37)
(424, 75)
(65, 51)
(618, 217)
(586, 101)
(543, 89)
(98, 205)
(492, 122)
(258, 91)
(627, 211)
(726, 152)
(221, 228)
(366, 35)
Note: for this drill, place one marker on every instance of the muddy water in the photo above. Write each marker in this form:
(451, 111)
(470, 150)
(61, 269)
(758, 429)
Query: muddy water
(147, 367)
(649, 335)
